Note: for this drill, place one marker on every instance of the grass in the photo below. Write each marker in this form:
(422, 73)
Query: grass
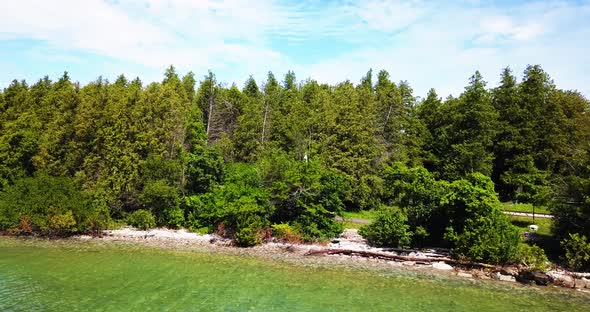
(527, 208)
(524, 222)
(350, 225)
(521, 222)
(363, 214)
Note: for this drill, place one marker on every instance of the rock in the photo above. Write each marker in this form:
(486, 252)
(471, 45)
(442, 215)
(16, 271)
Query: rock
(538, 278)
(581, 283)
(562, 279)
(504, 278)
(441, 266)
(351, 234)
(464, 274)
(409, 263)
(508, 270)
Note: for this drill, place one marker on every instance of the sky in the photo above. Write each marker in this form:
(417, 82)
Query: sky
(431, 44)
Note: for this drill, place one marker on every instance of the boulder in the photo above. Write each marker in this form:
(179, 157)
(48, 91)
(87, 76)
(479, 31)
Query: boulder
(581, 283)
(441, 266)
(528, 277)
(509, 270)
(562, 279)
(504, 278)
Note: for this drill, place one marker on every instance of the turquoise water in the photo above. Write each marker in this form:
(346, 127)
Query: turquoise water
(50, 276)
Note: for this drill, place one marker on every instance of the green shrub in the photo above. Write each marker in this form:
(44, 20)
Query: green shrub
(390, 229)
(239, 209)
(174, 217)
(305, 195)
(476, 229)
(532, 257)
(248, 231)
(60, 223)
(577, 251)
(98, 220)
(142, 219)
(46, 205)
(285, 233)
(161, 198)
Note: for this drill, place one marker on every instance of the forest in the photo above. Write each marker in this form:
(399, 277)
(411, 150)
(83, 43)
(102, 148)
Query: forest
(283, 158)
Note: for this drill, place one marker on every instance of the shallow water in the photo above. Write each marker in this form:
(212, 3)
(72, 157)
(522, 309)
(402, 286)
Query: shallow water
(76, 276)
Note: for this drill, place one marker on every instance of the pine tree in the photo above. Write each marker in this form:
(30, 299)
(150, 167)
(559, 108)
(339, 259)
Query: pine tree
(470, 135)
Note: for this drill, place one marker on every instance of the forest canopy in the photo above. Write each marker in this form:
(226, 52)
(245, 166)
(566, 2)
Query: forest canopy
(289, 155)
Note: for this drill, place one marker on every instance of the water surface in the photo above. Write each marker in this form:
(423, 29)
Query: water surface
(76, 276)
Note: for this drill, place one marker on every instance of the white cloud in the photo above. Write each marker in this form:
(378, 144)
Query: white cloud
(445, 48)
(389, 16)
(431, 44)
(503, 28)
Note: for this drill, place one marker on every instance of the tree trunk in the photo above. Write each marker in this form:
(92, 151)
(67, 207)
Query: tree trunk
(264, 122)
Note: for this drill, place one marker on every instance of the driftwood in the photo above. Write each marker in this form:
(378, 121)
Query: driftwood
(384, 256)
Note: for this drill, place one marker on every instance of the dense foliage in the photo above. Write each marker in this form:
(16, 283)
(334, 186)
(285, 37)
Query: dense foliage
(51, 205)
(390, 229)
(287, 156)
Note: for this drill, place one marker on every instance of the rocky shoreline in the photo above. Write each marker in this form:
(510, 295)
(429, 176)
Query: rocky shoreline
(348, 250)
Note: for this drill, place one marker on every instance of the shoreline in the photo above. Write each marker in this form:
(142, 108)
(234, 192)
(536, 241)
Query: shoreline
(330, 255)
(319, 255)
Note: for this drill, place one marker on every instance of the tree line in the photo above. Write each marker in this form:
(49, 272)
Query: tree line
(287, 156)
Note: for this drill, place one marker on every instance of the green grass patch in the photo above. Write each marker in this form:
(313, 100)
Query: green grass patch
(524, 222)
(527, 208)
(364, 214)
(350, 225)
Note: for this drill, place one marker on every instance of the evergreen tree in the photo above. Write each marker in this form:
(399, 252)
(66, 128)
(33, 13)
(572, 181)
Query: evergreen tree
(470, 134)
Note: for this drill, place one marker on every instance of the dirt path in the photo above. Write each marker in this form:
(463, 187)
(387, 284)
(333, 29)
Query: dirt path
(353, 220)
(512, 213)
(526, 214)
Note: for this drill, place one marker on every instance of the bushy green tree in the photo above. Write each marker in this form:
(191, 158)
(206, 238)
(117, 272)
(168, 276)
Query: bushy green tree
(142, 219)
(577, 251)
(477, 228)
(304, 194)
(238, 209)
(390, 229)
(47, 205)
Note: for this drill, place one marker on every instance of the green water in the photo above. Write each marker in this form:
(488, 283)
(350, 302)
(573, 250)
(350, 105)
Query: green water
(51, 276)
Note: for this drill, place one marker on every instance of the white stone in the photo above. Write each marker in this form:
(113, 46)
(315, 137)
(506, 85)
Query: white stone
(506, 278)
(441, 266)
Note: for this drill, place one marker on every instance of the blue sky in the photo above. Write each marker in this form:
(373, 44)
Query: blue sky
(429, 43)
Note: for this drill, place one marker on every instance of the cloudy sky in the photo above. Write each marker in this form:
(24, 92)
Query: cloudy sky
(429, 43)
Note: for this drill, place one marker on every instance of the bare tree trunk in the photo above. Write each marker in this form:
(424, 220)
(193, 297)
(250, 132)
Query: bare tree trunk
(264, 122)
(209, 117)
(378, 255)
(387, 117)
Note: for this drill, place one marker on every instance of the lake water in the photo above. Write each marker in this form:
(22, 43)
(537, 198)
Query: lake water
(50, 276)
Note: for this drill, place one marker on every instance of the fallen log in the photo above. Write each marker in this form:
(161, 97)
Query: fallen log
(384, 256)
